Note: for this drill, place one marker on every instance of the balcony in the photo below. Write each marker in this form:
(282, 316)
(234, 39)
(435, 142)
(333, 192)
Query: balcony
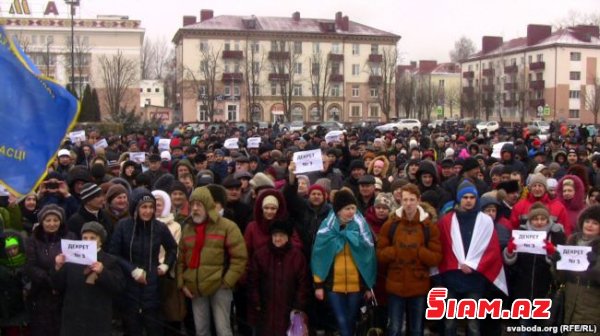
(488, 88)
(336, 57)
(233, 54)
(336, 78)
(235, 77)
(375, 80)
(279, 55)
(469, 90)
(537, 85)
(510, 86)
(510, 103)
(511, 69)
(468, 74)
(487, 72)
(279, 77)
(537, 102)
(375, 58)
(537, 66)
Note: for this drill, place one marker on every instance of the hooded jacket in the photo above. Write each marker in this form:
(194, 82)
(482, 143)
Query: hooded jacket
(442, 196)
(385, 172)
(575, 205)
(12, 282)
(518, 165)
(136, 244)
(557, 210)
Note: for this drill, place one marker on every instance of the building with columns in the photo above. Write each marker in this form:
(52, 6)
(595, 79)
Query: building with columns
(250, 68)
(547, 74)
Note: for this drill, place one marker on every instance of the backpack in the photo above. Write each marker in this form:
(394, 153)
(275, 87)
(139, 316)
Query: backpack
(426, 232)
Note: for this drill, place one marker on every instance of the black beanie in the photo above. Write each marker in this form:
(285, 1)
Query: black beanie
(178, 186)
(343, 198)
(281, 226)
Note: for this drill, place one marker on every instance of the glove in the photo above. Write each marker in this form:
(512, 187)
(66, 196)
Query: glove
(549, 247)
(511, 246)
(556, 257)
(592, 257)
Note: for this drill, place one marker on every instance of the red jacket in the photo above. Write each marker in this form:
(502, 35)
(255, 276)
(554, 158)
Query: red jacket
(556, 209)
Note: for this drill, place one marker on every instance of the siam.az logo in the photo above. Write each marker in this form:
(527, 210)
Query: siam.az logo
(439, 306)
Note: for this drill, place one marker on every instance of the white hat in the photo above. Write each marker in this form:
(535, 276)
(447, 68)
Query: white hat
(538, 169)
(552, 183)
(449, 152)
(165, 155)
(64, 152)
(412, 143)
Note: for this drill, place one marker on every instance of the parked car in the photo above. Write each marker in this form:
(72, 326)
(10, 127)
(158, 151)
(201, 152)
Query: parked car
(540, 125)
(489, 126)
(328, 125)
(386, 127)
(408, 124)
(435, 123)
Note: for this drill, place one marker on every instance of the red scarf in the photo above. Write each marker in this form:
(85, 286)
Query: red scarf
(198, 245)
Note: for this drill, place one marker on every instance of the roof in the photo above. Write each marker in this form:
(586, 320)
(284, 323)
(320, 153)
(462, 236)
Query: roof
(565, 36)
(284, 25)
(446, 68)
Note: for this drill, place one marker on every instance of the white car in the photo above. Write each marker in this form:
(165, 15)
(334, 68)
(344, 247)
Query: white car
(386, 127)
(408, 124)
(489, 126)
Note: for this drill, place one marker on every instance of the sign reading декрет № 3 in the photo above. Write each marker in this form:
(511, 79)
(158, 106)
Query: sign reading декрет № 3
(308, 161)
(83, 252)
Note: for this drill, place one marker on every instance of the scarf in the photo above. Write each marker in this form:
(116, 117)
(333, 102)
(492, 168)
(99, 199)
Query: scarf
(331, 240)
(200, 230)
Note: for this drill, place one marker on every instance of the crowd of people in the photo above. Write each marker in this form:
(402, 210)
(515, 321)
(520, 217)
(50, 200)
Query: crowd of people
(198, 238)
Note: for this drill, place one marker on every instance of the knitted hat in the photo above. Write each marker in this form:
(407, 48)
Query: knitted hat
(319, 188)
(260, 180)
(270, 200)
(325, 183)
(387, 200)
(489, 198)
(282, 227)
(537, 178)
(178, 186)
(51, 209)
(342, 199)
(357, 164)
(89, 191)
(96, 228)
(466, 187)
(114, 191)
(592, 212)
(538, 209)
(11, 242)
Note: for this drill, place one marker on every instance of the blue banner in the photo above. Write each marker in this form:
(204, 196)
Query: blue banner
(36, 113)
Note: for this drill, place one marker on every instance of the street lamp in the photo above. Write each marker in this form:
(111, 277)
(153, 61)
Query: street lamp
(72, 4)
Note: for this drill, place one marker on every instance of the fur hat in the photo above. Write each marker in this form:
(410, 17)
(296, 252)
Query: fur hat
(114, 191)
(592, 212)
(357, 164)
(537, 178)
(96, 228)
(89, 191)
(466, 187)
(342, 199)
(51, 209)
(281, 226)
(178, 186)
(509, 187)
(538, 209)
(218, 193)
(469, 164)
(386, 199)
(260, 180)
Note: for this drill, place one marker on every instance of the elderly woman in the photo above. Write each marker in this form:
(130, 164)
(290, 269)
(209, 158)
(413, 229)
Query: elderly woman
(343, 261)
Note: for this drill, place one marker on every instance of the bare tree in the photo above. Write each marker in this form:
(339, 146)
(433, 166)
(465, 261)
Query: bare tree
(162, 51)
(405, 93)
(452, 98)
(82, 53)
(463, 48)
(283, 62)
(592, 99)
(320, 79)
(23, 40)
(203, 80)
(470, 101)
(574, 18)
(383, 76)
(426, 97)
(147, 58)
(522, 94)
(119, 73)
(253, 67)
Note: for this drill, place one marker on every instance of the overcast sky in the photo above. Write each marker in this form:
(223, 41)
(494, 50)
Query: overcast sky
(428, 28)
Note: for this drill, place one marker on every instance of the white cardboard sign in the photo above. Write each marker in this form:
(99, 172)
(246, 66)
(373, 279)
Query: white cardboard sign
(530, 241)
(164, 144)
(138, 157)
(497, 148)
(231, 143)
(254, 142)
(77, 136)
(573, 258)
(308, 161)
(333, 136)
(101, 144)
(82, 252)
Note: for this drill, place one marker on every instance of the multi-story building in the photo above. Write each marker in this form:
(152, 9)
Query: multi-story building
(44, 32)
(240, 68)
(437, 85)
(544, 74)
(152, 92)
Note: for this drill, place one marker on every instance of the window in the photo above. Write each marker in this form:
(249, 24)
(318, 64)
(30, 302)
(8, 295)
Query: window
(376, 70)
(202, 113)
(574, 114)
(255, 90)
(297, 90)
(335, 48)
(227, 45)
(513, 61)
(355, 69)
(335, 90)
(335, 68)
(202, 90)
(523, 60)
(374, 92)
(227, 91)
(236, 67)
(297, 47)
(236, 45)
(441, 84)
(226, 67)
(374, 49)
(355, 90)
(470, 67)
(273, 89)
(203, 46)
(355, 49)
(255, 67)
(316, 68)
(157, 90)
(574, 94)
(148, 102)
(575, 56)
(539, 57)
(148, 90)
(231, 112)
(274, 46)
(255, 47)
(298, 68)
(530, 59)
(374, 111)
(236, 90)
(315, 89)
(33, 39)
(477, 67)
(574, 75)
(355, 111)
(490, 64)
(316, 48)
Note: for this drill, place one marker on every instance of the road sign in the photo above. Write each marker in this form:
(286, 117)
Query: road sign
(440, 111)
(546, 110)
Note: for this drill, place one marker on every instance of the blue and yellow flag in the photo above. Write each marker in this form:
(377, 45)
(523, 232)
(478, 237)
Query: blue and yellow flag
(36, 113)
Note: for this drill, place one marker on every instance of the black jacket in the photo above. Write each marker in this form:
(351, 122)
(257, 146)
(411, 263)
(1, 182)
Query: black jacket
(83, 216)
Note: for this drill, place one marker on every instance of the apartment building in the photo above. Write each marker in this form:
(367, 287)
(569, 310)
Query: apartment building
(250, 68)
(547, 74)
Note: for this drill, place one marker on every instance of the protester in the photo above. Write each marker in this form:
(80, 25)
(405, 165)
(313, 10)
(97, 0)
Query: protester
(14, 318)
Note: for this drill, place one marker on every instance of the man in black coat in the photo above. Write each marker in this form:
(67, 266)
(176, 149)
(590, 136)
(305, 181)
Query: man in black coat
(90, 210)
(469, 171)
(242, 212)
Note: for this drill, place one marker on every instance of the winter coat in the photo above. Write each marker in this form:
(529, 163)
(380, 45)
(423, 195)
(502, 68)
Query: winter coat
(582, 295)
(556, 209)
(75, 223)
(242, 214)
(137, 244)
(44, 300)
(530, 274)
(278, 281)
(87, 308)
(385, 173)
(13, 283)
(70, 204)
(441, 196)
(575, 205)
(407, 257)
(333, 174)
